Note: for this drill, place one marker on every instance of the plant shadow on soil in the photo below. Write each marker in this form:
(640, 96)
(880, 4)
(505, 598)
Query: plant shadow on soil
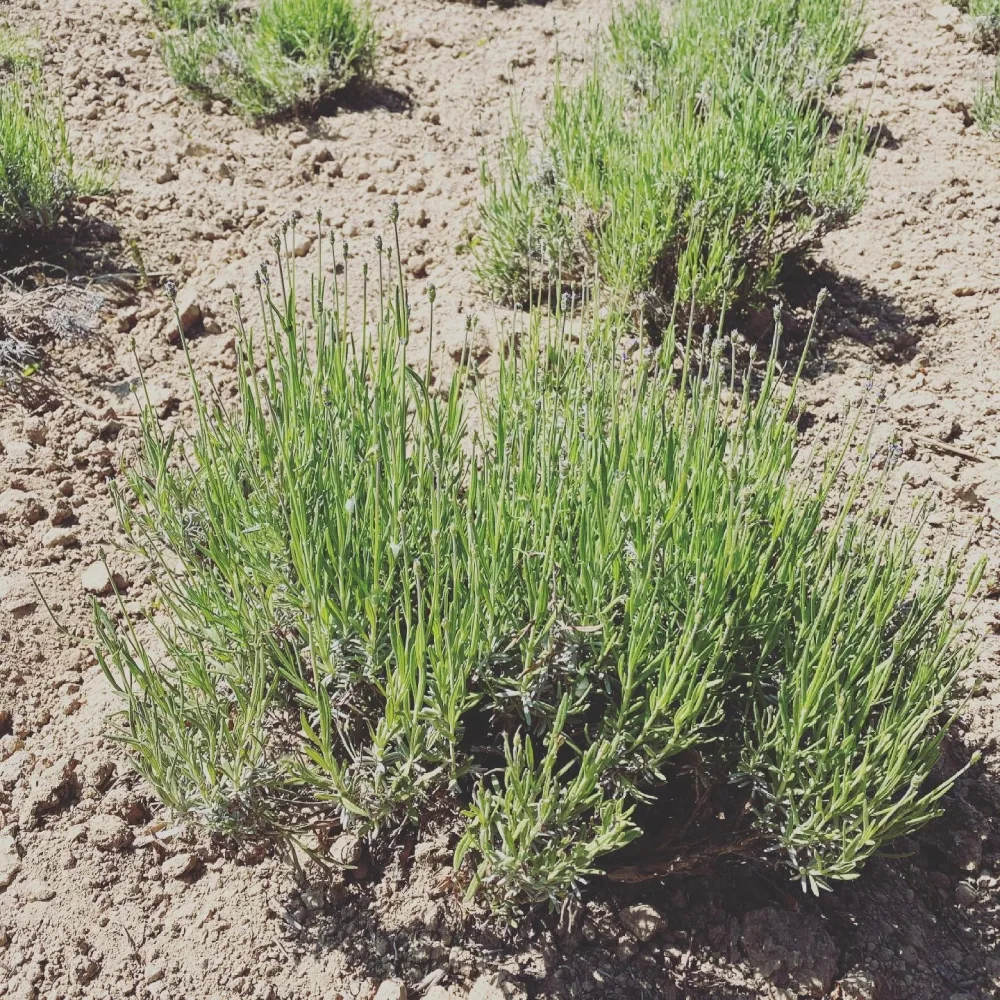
(854, 312)
(919, 924)
(367, 97)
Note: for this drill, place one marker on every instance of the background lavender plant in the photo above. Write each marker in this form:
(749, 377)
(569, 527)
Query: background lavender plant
(39, 175)
(687, 164)
(283, 56)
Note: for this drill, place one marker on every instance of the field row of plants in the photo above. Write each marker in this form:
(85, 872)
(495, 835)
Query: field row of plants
(696, 155)
(599, 608)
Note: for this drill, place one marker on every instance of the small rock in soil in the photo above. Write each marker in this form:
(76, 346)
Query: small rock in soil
(346, 850)
(643, 921)
(857, 985)
(109, 833)
(391, 989)
(60, 538)
(485, 989)
(794, 944)
(123, 802)
(35, 430)
(188, 308)
(50, 791)
(966, 895)
(20, 507)
(98, 579)
(180, 865)
(302, 245)
(10, 861)
(313, 898)
(18, 596)
(37, 891)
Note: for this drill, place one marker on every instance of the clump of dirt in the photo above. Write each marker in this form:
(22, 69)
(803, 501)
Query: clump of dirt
(103, 895)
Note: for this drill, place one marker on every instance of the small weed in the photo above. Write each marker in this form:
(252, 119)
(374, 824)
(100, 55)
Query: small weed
(368, 612)
(285, 56)
(688, 163)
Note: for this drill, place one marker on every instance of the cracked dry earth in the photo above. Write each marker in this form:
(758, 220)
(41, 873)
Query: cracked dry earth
(101, 895)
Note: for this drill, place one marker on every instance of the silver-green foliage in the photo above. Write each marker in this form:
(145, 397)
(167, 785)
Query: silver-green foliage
(286, 55)
(688, 162)
(538, 603)
(39, 175)
(986, 106)
(986, 14)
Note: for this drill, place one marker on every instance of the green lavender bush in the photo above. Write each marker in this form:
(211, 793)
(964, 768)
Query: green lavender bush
(285, 56)
(690, 161)
(39, 175)
(986, 14)
(530, 605)
(986, 106)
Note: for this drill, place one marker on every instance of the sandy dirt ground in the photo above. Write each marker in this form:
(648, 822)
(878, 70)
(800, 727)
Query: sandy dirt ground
(103, 896)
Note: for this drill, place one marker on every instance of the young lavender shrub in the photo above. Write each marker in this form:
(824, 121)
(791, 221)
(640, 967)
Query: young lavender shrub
(986, 106)
(284, 56)
(689, 162)
(39, 175)
(986, 14)
(17, 50)
(370, 615)
(189, 14)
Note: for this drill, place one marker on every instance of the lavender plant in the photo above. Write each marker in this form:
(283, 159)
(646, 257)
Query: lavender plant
(369, 612)
(284, 56)
(986, 106)
(39, 175)
(689, 162)
(986, 15)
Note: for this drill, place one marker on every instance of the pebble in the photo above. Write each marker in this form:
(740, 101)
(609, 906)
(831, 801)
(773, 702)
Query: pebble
(179, 865)
(643, 921)
(415, 183)
(303, 244)
(10, 861)
(50, 791)
(966, 895)
(188, 309)
(98, 579)
(18, 596)
(346, 850)
(35, 430)
(37, 891)
(485, 989)
(20, 507)
(109, 833)
(60, 538)
(391, 989)
(313, 898)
